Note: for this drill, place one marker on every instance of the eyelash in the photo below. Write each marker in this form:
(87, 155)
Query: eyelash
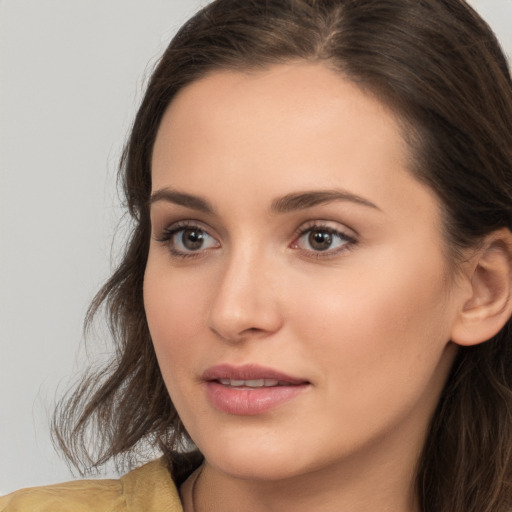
(348, 241)
(168, 233)
(171, 231)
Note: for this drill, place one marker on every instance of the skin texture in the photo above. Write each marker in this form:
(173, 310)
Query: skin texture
(366, 323)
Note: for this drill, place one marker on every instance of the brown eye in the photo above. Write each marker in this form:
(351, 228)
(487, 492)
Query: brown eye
(320, 240)
(192, 239)
(188, 240)
(323, 239)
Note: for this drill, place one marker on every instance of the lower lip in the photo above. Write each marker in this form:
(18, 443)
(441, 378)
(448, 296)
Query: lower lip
(250, 401)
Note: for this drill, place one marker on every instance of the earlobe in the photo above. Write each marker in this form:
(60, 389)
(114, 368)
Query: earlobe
(489, 307)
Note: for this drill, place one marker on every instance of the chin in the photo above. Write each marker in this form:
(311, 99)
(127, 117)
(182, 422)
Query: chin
(255, 461)
(257, 468)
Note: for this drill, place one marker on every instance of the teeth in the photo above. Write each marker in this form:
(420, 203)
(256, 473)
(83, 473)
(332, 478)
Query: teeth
(258, 383)
(255, 383)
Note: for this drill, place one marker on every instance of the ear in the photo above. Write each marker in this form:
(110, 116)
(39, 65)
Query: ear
(489, 306)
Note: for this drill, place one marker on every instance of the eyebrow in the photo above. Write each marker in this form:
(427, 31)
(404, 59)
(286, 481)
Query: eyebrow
(182, 199)
(288, 203)
(303, 200)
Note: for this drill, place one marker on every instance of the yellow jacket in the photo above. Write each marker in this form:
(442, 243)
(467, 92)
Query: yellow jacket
(149, 488)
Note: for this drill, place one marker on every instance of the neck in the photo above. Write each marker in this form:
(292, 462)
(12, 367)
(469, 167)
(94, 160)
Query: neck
(386, 485)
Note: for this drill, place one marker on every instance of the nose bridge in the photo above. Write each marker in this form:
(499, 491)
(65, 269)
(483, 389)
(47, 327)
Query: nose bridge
(245, 302)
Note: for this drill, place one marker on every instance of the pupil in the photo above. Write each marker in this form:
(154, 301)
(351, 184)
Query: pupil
(320, 240)
(192, 239)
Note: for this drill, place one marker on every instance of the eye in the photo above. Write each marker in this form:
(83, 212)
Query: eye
(322, 239)
(187, 240)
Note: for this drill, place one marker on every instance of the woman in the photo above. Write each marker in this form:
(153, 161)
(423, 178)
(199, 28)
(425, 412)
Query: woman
(313, 312)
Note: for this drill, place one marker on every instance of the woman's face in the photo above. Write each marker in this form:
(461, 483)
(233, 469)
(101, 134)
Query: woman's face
(296, 289)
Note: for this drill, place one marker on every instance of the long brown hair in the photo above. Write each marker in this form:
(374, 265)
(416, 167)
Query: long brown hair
(440, 68)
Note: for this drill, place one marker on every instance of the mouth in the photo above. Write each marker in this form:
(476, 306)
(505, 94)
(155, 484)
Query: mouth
(250, 389)
(250, 375)
(255, 383)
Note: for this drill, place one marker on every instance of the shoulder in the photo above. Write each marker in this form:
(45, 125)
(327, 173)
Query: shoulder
(79, 496)
(148, 488)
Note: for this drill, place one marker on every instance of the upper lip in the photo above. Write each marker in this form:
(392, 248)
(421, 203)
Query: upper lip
(248, 372)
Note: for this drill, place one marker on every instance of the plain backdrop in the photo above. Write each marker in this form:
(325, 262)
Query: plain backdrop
(71, 75)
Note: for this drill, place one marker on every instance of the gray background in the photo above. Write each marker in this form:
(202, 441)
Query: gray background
(71, 75)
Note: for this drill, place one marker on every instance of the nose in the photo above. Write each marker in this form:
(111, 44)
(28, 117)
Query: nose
(245, 303)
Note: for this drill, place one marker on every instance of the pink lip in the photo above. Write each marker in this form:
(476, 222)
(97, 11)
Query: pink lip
(248, 372)
(247, 401)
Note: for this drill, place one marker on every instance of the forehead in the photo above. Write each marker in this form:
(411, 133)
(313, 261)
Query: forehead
(288, 128)
(289, 94)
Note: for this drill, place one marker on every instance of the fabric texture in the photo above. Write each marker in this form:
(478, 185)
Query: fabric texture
(149, 488)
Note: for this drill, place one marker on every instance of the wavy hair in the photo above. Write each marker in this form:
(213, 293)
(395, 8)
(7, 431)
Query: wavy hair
(439, 67)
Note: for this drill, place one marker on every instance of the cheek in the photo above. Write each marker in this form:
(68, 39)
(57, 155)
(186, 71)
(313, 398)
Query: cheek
(383, 326)
(175, 308)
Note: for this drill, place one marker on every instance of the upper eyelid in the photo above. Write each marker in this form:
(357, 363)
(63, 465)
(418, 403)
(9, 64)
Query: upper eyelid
(184, 224)
(341, 233)
(330, 225)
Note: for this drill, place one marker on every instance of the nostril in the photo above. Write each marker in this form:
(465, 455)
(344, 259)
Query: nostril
(242, 307)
